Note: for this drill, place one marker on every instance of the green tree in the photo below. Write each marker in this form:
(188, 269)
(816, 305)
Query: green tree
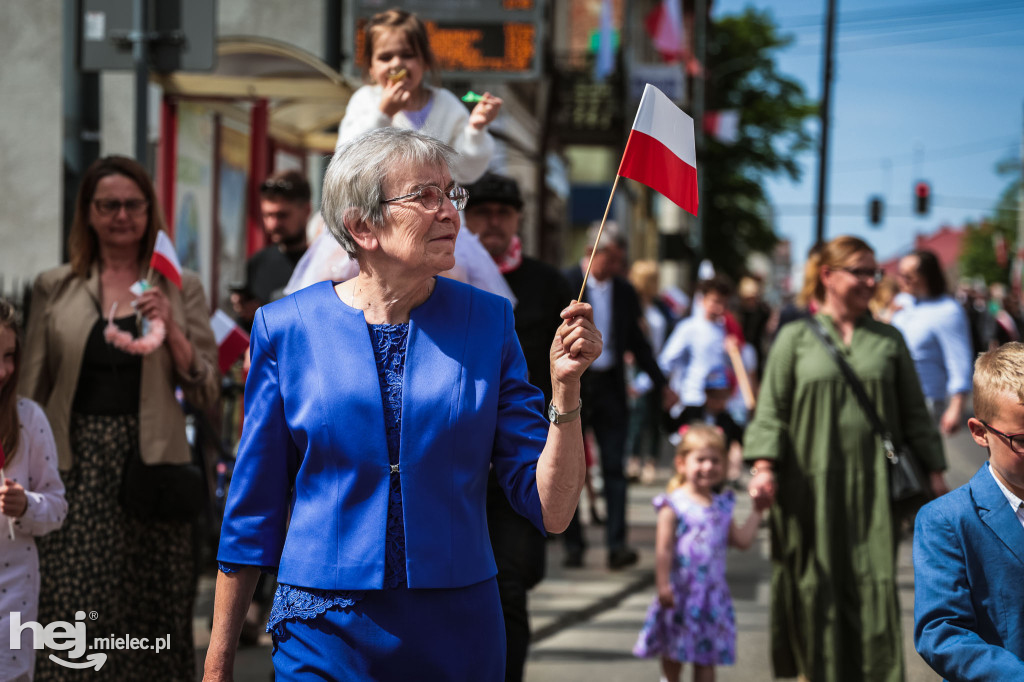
(978, 255)
(742, 75)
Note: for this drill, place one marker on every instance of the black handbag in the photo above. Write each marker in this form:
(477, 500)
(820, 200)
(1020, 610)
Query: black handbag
(162, 492)
(907, 480)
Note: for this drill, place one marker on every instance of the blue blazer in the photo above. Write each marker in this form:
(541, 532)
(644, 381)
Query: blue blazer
(309, 492)
(969, 584)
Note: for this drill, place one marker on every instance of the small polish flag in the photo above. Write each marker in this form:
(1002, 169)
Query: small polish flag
(165, 259)
(723, 125)
(660, 151)
(231, 340)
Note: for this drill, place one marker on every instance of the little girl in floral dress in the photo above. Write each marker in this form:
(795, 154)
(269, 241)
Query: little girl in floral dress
(692, 620)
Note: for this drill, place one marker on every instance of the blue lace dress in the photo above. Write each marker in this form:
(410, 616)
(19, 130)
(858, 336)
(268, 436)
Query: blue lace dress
(395, 633)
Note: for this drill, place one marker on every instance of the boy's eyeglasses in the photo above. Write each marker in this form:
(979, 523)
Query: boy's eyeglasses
(1016, 440)
(431, 197)
(109, 207)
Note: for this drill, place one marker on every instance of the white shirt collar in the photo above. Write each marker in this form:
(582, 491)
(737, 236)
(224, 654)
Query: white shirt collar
(1015, 502)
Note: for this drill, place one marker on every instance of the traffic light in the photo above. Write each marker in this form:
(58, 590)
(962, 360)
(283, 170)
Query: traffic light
(876, 209)
(922, 198)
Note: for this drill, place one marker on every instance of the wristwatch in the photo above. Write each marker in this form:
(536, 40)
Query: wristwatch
(556, 417)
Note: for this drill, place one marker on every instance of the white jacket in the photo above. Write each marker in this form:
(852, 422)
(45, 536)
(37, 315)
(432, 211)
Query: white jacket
(448, 121)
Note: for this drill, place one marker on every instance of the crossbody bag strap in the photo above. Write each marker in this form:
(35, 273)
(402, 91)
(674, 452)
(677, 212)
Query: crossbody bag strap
(858, 388)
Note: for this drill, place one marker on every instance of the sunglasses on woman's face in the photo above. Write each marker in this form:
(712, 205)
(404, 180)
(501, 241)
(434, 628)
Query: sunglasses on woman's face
(865, 273)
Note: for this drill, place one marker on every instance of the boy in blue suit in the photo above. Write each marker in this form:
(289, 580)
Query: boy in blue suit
(969, 544)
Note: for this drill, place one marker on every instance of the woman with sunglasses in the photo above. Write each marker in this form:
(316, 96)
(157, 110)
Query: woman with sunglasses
(108, 389)
(375, 410)
(835, 614)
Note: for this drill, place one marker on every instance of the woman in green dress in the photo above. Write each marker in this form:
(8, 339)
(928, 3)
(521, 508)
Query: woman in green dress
(835, 613)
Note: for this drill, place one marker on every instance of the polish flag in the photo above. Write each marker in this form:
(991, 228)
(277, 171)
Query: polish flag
(664, 23)
(231, 340)
(660, 151)
(723, 125)
(165, 259)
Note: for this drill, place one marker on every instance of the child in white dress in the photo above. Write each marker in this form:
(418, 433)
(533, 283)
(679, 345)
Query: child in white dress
(31, 502)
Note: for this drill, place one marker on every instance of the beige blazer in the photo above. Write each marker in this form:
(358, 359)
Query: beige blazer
(63, 311)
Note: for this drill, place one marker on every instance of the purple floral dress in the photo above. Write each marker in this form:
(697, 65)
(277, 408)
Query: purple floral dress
(701, 627)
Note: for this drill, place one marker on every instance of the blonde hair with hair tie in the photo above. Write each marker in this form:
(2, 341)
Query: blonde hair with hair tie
(696, 437)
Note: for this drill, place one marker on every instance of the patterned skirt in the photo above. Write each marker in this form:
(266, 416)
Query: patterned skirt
(132, 579)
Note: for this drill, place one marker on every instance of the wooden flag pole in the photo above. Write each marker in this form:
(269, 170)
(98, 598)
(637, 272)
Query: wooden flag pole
(742, 378)
(597, 241)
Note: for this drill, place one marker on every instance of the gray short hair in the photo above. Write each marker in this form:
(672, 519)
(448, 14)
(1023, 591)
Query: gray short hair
(361, 167)
(610, 235)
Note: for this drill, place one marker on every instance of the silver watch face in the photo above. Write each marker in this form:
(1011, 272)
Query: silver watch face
(552, 413)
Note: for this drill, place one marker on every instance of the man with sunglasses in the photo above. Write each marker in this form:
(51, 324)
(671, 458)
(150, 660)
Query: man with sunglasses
(969, 544)
(285, 208)
(938, 337)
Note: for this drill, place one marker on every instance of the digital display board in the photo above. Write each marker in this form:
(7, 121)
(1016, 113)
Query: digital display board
(497, 38)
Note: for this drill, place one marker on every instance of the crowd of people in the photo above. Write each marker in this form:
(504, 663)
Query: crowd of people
(424, 403)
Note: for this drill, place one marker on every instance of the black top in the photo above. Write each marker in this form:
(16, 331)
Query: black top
(268, 271)
(110, 380)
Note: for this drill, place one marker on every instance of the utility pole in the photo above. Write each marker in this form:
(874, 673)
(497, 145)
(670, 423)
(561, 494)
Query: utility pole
(825, 115)
(140, 57)
(700, 20)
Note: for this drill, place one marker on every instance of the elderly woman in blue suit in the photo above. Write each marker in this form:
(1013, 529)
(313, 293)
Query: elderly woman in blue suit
(375, 409)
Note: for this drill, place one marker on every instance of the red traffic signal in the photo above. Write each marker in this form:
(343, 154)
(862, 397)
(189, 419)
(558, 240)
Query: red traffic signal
(922, 198)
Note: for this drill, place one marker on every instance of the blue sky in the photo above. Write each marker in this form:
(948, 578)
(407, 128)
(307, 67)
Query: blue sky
(931, 91)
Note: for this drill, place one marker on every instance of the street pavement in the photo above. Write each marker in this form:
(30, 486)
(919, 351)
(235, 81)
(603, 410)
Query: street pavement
(585, 621)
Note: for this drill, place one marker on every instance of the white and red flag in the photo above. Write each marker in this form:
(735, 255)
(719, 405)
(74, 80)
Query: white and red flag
(231, 340)
(664, 24)
(661, 152)
(723, 125)
(165, 259)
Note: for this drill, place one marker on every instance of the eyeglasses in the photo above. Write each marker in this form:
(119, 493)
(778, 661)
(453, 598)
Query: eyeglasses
(109, 207)
(431, 197)
(1016, 440)
(865, 273)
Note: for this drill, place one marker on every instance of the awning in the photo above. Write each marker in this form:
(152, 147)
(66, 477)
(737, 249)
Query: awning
(306, 98)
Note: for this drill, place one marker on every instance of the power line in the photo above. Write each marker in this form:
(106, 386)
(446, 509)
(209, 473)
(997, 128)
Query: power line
(973, 38)
(891, 210)
(913, 13)
(955, 152)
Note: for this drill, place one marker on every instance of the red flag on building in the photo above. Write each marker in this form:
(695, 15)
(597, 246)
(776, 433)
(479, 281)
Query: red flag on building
(231, 340)
(660, 151)
(165, 259)
(664, 24)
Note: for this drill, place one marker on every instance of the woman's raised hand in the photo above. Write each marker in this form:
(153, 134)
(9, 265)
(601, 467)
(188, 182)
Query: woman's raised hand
(577, 343)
